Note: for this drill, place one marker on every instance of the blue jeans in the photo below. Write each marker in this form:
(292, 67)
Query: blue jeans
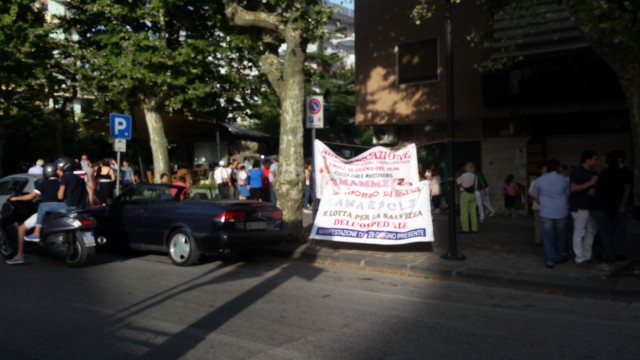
(607, 228)
(620, 242)
(49, 207)
(272, 190)
(553, 235)
(307, 196)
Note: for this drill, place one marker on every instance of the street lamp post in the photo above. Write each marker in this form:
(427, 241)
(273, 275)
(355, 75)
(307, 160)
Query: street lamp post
(452, 253)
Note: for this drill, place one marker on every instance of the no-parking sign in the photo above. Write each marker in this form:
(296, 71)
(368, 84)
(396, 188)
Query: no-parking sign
(315, 112)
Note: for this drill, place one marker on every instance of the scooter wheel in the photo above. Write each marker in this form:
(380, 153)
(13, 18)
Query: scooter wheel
(8, 248)
(77, 252)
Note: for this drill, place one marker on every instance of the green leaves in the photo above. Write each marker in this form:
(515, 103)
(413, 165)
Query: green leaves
(180, 51)
(26, 59)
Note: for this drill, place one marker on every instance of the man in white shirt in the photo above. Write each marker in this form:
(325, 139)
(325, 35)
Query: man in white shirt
(221, 177)
(37, 168)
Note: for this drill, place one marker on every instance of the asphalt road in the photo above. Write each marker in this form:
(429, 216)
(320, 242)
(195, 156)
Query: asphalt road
(125, 307)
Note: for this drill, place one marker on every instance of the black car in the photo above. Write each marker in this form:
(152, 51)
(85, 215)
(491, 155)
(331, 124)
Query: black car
(161, 217)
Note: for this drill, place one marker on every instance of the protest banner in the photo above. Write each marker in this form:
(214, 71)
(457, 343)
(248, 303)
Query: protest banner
(374, 198)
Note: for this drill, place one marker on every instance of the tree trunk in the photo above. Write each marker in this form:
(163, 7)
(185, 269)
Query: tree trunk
(617, 43)
(290, 180)
(631, 87)
(287, 79)
(157, 139)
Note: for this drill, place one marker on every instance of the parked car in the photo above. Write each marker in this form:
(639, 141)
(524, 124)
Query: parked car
(153, 217)
(17, 184)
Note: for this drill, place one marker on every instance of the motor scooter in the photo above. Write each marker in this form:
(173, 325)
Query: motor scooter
(66, 236)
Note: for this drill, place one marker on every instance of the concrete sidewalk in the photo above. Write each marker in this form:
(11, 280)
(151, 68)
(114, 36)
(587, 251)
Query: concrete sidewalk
(502, 253)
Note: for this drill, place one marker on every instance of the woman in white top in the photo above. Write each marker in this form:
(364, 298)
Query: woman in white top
(243, 186)
(434, 188)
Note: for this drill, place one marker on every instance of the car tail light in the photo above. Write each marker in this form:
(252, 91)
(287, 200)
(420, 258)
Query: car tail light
(230, 216)
(276, 214)
(87, 222)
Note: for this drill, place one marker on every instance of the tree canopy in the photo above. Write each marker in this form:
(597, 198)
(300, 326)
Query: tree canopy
(175, 55)
(27, 78)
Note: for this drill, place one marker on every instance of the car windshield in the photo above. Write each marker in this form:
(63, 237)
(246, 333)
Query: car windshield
(150, 193)
(13, 186)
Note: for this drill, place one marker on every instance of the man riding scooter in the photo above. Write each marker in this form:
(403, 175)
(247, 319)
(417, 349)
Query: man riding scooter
(72, 195)
(48, 191)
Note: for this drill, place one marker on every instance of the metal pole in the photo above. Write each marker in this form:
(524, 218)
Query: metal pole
(118, 176)
(314, 201)
(218, 140)
(452, 253)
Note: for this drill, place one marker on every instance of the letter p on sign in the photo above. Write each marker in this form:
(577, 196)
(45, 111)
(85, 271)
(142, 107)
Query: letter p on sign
(120, 126)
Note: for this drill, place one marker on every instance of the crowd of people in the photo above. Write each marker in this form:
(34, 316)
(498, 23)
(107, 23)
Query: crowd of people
(250, 180)
(595, 199)
(570, 208)
(100, 177)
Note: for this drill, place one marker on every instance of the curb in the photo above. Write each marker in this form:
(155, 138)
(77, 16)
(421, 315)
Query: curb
(600, 287)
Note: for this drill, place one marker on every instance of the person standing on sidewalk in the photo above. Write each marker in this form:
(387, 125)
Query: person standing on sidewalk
(581, 203)
(626, 207)
(486, 198)
(126, 175)
(535, 207)
(273, 170)
(551, 191)
(255, 181)
(105, 178)
(233, 178)
(481, 184)
(221, 177)
(434, 188)
(306, 200)
(510, 190)
(609, 198)
(243, 183)
(468, 206)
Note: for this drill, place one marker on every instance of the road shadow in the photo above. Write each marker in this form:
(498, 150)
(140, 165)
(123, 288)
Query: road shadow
(181, 343)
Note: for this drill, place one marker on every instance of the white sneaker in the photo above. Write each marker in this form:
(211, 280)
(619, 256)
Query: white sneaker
(16, 260)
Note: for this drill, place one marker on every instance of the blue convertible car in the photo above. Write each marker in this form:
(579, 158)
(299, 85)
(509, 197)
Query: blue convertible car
(158, 217)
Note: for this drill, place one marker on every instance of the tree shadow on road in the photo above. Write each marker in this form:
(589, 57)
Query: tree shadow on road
(179, 344)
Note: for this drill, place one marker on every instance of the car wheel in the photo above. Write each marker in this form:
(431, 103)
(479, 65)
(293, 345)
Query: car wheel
(183, 251)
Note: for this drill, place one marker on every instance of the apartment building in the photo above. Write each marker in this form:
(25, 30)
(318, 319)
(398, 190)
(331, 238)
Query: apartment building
(558, 100)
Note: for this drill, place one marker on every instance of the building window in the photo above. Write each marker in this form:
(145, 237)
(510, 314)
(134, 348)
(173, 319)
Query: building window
(417, 61)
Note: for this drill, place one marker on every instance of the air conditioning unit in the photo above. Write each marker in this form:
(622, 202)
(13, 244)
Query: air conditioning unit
(385, 135)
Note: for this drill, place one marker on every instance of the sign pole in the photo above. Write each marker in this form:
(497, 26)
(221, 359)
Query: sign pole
(118, 175)
(314, 119)
(314, 201)
(120, 126)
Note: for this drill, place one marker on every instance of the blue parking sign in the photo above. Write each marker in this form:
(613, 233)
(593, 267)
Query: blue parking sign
(120, 126)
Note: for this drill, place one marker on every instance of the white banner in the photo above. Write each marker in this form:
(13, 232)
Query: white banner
(374, 198)
(378, 167)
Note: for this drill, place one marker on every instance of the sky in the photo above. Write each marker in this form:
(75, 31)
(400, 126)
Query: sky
(346, 3)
